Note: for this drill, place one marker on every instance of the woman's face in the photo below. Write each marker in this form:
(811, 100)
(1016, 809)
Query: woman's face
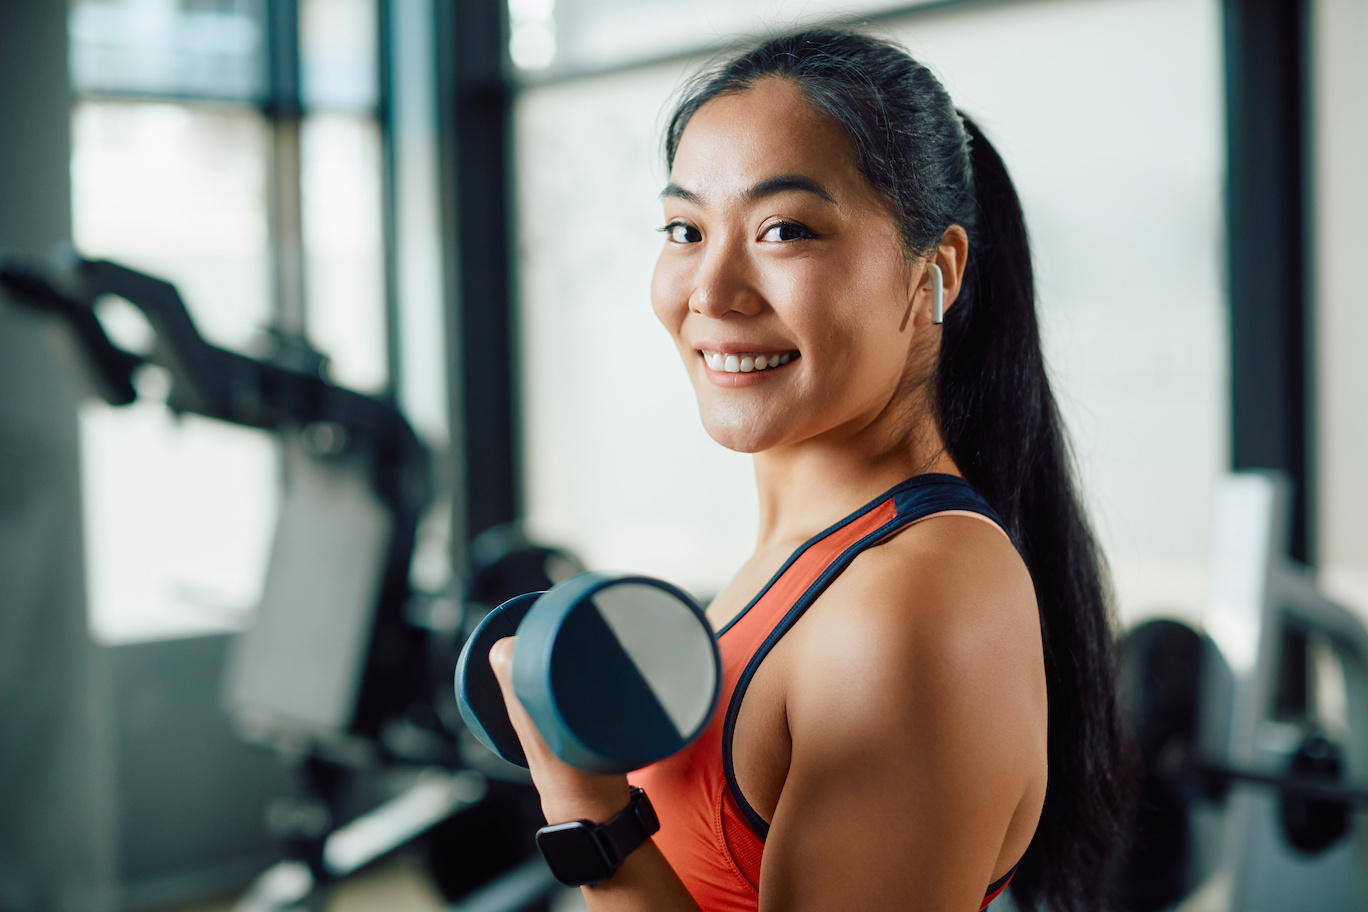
(779, 253)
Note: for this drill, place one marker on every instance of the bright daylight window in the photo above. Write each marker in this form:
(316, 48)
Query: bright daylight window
(182, 169)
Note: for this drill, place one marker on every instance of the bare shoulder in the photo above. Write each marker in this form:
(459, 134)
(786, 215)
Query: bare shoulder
(952, 588)
(915, 702)
(936, 627)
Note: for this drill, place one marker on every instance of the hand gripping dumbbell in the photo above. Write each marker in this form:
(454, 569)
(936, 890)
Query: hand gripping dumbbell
(616, 671)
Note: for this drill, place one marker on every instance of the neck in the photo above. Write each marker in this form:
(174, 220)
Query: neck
(806, 486)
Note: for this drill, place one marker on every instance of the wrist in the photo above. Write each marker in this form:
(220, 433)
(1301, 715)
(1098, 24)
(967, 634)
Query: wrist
(581, 853)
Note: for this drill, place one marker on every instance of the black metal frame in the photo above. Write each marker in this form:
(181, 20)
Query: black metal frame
(1272, 411)
(475, 103)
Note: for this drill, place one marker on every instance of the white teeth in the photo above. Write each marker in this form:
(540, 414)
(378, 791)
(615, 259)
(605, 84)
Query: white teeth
(741, 364)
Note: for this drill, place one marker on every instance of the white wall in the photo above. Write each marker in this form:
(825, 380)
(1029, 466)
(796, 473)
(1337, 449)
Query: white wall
(1109, 114)
(1340, 170)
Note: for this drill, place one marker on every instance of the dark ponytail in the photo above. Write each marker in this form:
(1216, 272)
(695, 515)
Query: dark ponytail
(994, 403)
(1001, 426)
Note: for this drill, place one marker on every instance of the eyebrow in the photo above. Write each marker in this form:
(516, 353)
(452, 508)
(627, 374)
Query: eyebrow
(784, 183)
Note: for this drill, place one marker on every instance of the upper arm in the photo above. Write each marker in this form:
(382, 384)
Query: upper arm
(917, 716)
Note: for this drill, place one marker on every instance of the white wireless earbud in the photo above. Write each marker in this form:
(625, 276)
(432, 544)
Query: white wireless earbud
(936, 284)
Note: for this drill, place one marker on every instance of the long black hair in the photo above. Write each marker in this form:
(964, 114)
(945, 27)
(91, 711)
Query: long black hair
(992, 400)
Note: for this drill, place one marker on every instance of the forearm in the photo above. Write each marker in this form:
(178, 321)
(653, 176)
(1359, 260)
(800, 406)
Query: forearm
(644, 883)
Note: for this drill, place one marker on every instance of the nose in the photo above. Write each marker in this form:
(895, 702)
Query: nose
(725, 284)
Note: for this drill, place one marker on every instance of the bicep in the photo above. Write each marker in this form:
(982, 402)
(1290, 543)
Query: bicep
(906, 770)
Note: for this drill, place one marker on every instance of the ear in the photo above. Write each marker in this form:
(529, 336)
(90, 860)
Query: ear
(950, 257)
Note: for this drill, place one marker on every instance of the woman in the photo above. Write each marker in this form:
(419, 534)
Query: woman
(917, 708)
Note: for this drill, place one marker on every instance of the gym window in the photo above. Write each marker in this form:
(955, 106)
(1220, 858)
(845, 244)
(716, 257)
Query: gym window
(236, 149)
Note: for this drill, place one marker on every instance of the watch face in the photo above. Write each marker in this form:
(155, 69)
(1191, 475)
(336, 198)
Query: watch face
(650, 823)
(573, 854)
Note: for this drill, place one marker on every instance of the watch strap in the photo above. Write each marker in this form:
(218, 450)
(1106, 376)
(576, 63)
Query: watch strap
(626, 832)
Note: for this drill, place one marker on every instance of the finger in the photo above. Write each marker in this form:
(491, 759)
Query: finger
(501, 660)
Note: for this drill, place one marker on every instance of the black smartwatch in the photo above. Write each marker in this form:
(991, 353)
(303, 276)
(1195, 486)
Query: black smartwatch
(581, 853)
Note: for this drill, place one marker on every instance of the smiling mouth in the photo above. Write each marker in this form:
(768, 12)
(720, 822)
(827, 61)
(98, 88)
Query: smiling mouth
(745, 362)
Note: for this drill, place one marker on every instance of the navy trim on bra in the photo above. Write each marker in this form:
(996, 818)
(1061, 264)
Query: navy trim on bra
(903, 486)
(914, 499)
(1001, 881)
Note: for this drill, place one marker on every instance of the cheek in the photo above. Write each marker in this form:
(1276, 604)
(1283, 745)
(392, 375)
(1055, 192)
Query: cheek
(669, 293)
(851, 321)
(844, 312)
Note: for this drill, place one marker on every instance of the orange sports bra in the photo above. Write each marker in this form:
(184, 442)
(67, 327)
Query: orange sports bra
(710, 834)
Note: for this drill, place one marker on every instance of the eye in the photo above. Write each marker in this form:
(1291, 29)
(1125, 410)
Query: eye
(682, 233)
(787, 231)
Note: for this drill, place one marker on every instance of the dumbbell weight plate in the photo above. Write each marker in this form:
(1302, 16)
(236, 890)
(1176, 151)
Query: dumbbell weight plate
(477, 690)
(616, 671)
(1159, 689)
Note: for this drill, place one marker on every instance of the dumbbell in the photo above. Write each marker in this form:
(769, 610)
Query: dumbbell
(616, 671)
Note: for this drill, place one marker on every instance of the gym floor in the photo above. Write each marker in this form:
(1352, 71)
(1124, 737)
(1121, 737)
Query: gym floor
(397, 885)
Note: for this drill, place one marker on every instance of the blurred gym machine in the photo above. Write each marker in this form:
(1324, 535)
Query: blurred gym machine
(345, 670)
(1252, 733)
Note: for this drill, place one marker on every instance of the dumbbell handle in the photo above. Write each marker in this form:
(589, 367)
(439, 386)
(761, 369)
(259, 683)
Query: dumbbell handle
(1300, 786)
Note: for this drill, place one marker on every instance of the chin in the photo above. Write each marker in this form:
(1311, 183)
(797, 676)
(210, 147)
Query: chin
(737, 430)
(737, 442)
